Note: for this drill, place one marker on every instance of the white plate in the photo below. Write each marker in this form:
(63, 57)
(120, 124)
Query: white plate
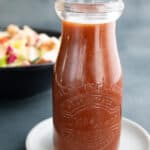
(133, 136)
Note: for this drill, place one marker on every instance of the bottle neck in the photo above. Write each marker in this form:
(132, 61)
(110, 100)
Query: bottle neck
(89, 13)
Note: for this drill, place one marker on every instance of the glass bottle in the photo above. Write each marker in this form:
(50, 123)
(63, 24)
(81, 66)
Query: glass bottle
(87, 84)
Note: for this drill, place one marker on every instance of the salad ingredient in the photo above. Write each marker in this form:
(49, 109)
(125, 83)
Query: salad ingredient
(24, 47)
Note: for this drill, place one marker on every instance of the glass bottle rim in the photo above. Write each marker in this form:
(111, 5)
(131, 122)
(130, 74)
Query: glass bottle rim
(89, 1)
(100, 5)
(102, 10)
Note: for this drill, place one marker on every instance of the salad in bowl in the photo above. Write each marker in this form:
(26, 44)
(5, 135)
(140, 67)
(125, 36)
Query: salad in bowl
(25, 47)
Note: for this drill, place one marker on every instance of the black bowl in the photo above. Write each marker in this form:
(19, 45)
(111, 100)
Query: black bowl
(21, 82)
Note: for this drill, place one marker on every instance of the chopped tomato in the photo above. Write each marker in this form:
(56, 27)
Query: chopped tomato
(4, 40)
(50, 45)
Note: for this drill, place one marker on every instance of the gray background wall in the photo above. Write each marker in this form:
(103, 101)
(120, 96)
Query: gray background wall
(41, 14)
(37, 13)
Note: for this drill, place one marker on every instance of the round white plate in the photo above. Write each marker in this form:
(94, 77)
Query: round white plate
(133, 136)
